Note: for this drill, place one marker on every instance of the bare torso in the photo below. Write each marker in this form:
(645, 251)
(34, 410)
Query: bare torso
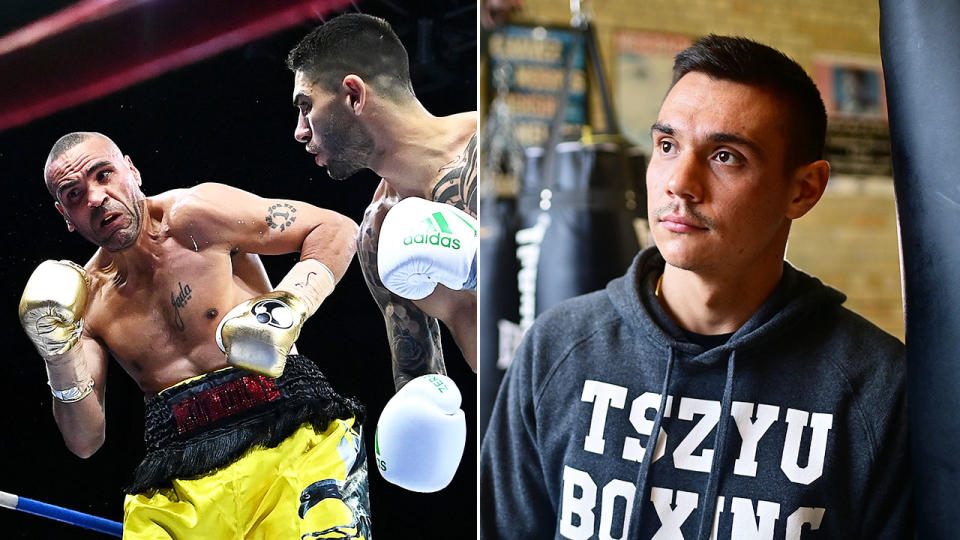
(181, 261)
(411, 325)
(159, 322)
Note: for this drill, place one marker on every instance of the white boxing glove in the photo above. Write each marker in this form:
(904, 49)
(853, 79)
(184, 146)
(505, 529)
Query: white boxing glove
(423, 243)
(421, 435)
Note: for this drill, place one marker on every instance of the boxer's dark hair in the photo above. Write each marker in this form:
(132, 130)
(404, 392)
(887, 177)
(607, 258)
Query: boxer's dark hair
(358, 44)
(744, 61)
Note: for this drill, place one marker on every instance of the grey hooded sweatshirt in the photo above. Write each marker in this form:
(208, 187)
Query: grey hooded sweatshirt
(795, 427)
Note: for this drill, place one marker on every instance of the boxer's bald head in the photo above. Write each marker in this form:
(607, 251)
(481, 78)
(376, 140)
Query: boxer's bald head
(96, 189)
(67, 142)
(356, 44)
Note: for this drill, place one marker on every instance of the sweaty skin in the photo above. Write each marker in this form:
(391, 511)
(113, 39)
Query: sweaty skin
(412, 324)
(174, 304)
(417, 155)
(154, 304)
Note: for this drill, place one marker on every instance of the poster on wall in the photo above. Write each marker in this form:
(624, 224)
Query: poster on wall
(851, 87)
(858, 136)
(643, 69)
(531, 59)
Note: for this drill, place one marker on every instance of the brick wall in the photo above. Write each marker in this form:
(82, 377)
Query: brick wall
(849, 239)
(800, 28)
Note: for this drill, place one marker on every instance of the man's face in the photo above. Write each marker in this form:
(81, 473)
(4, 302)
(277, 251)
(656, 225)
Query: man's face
(329, 129)
(97, 191)
(717, 187)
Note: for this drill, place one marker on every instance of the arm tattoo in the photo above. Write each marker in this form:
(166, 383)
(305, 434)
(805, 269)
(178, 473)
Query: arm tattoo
(458, 185)
(281, 215)
(413, 335)
(180, 300)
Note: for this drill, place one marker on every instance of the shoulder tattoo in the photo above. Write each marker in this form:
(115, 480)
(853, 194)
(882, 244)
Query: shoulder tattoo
(458, 185)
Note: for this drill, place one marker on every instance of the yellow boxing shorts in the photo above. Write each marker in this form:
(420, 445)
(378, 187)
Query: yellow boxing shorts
(300, 489)
(236, 455)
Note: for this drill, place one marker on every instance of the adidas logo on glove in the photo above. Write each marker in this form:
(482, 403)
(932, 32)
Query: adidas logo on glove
(442, 237)
(424, 243)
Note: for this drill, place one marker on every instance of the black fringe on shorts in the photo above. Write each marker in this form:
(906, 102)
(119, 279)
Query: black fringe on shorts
(200, 445)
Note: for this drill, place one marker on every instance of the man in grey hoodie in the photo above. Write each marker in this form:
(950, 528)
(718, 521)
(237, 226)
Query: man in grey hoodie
(777, 412)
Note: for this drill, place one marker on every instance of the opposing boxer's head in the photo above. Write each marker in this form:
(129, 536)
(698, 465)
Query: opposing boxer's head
(96, 189)
(738, 146)
(339, 68)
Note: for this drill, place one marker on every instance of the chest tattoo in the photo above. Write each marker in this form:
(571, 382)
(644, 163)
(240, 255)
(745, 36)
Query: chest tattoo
(180, 301)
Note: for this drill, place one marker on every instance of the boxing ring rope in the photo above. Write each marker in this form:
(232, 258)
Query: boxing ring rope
(96, 47)
(75, 15)
(50, 511)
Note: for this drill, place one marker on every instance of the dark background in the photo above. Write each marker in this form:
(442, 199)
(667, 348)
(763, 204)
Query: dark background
(227, 119)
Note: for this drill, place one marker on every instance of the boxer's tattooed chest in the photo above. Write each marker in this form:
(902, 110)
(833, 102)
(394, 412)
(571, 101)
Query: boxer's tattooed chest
(458, 180)
(179, 299)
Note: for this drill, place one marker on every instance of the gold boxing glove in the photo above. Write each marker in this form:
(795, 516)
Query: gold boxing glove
(51, 313)
(258, 334)
(52, 305)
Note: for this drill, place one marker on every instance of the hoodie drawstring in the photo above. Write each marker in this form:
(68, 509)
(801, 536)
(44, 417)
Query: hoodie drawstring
(710, 494)
(652, 442)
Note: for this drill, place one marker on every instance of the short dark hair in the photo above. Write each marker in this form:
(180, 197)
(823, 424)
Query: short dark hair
(358, 44)
(744, 61)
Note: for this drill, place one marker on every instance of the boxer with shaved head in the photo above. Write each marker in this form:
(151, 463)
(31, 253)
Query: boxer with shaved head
(238, 429)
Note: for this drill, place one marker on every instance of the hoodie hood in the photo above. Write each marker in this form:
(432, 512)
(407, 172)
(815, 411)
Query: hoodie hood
(798, 295)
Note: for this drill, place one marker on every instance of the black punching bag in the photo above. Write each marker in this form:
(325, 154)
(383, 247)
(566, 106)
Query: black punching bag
(920, 45)
(584, 213)
(498, 302)
(578, 201)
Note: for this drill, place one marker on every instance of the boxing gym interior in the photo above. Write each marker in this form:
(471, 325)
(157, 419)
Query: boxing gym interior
(563, 194)
(849, 239)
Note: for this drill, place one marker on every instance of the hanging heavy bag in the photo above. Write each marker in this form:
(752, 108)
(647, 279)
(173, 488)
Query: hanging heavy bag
(498, 303)
(497, 266)
(578, 201)
(919, 44)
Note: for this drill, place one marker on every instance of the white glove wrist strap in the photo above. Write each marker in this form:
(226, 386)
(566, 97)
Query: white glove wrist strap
(68, 376)
(309, 280)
